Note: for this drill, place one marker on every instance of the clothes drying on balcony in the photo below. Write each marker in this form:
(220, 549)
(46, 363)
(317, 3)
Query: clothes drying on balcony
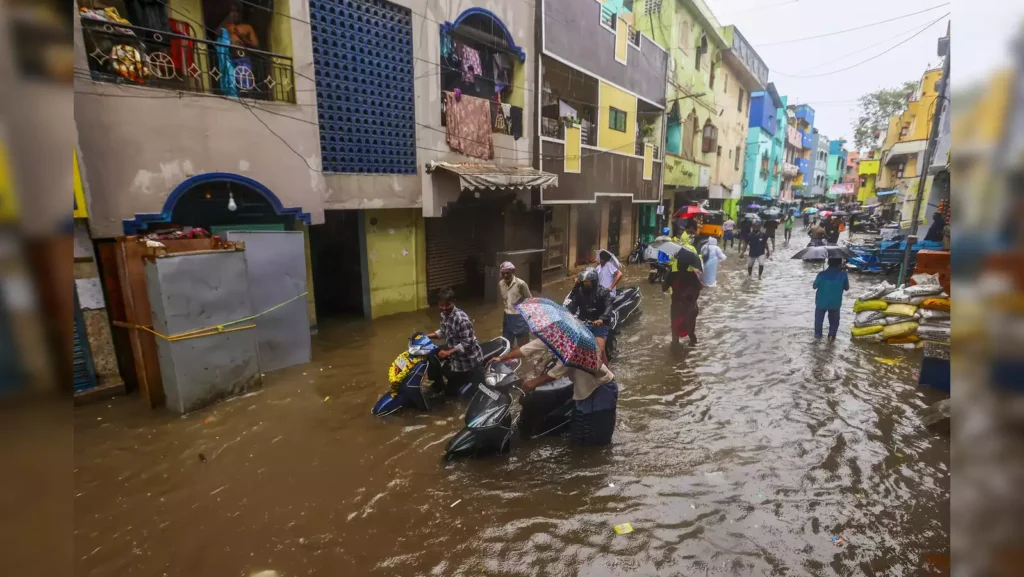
(225, 66)
(468, 121)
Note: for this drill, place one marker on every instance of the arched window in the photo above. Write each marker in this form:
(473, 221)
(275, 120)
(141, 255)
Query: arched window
(690, 130)
(710, 137)
(479, 56)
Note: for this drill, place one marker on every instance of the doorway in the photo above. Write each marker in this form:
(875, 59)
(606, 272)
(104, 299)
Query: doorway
(336, 253)
(588, 227)
(614, 226)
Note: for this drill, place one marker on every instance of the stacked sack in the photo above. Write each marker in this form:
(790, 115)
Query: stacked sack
(905, 316)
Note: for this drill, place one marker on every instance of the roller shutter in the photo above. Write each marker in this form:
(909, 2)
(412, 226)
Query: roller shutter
(450, 244)
(83, 373)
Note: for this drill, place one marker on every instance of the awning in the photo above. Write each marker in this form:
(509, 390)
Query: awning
(474, 176)
(901, 149)
(887, 192)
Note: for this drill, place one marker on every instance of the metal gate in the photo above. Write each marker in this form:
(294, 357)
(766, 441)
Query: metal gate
(450, 246)
(83, 372)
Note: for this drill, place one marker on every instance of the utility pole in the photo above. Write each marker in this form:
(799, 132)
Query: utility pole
(923, 177)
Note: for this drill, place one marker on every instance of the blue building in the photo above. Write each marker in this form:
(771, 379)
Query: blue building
(762, 162)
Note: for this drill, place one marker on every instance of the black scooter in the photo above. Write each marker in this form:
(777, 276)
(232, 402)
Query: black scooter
(490, 419)
(625, 307)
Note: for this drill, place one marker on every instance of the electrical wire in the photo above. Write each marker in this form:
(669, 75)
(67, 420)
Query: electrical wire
(865, 61)
(792, 40)
(858, 51)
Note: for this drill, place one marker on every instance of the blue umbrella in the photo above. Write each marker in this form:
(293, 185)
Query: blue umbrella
(810, 210)
(568, 338)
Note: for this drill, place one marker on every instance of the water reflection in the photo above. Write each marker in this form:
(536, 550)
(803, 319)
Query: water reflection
(743, 456)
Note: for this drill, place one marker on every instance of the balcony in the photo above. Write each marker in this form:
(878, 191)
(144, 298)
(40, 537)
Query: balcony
(639, 149)
(789, 170)
(124, 54)
(807, 140)
(805, 113)
(799, 190)
(803, 166)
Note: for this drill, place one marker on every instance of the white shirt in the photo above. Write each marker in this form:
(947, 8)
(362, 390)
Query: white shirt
(606, 275)
(729, 225)
(583, 383)
(512, 293)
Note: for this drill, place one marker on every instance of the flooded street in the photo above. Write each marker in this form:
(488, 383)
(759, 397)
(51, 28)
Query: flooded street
(743, 456)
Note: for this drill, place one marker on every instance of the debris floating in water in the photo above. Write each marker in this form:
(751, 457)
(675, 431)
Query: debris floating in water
(889, 362)
(455, 503)
(202, 458)
(623, 528)
(327, 398)
(611, 485)
(839, 541)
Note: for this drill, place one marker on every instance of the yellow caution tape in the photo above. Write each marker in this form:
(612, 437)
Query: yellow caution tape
(211, 330)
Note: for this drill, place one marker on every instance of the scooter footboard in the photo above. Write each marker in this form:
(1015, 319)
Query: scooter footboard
(546, 410)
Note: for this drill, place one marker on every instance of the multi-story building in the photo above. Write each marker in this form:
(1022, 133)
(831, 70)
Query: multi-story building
(835, 170)
(762, 170)
(601, 125)
(742, 69)
(820, 155)
(867, 177)
(396, 135)
(801, 118)
(850, 172)
(792, 150)
(693, 38)
(906, 142)
(179, 125)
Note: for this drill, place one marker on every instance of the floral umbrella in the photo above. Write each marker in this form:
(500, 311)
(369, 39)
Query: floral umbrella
(568, 338)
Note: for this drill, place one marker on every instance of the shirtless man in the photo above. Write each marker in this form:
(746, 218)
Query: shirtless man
(242, 34)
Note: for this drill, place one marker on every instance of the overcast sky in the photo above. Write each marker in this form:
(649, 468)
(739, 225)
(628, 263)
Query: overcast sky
(989, 24)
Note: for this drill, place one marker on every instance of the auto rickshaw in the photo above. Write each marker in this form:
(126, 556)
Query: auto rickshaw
(711, 225)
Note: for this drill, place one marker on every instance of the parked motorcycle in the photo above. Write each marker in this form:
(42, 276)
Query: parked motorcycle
(491, 420)
(417, 363)
(637, 256)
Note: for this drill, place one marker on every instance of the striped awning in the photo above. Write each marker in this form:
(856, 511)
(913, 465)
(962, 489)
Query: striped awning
(474, 176)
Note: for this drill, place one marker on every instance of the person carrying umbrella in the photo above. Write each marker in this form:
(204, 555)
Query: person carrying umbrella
(513, 290)
(594, 390)
(830, 285)
(608, 271)
(745, 227)
(684, 282)
(592, 304)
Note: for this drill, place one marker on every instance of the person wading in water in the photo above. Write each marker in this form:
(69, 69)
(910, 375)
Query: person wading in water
(684, 282)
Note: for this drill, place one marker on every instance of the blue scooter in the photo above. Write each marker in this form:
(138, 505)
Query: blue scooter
(418, 362)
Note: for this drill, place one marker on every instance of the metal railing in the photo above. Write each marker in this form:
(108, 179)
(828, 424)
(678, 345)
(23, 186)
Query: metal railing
(126, 54)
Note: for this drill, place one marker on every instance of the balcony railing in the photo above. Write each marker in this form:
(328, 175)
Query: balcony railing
(125, 54)
(640, 144)
(790, 170)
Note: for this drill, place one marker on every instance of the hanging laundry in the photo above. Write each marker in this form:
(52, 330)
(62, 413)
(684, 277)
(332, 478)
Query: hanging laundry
(516, 117)
(499, 118)
(447, 45)
(470, 63)
(469, 125)
(502, 72)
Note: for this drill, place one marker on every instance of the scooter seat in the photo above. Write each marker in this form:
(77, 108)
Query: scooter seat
(494, 348)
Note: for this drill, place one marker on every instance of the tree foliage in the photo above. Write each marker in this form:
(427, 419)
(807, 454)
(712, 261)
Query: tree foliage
(876, 108)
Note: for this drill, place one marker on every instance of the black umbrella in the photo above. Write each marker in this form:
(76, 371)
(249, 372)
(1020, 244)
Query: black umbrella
(832, 251)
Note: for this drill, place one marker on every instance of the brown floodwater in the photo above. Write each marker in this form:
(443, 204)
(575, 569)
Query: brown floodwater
(745, 455)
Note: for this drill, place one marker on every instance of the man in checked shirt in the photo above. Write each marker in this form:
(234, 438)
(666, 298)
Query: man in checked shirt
(465, 358)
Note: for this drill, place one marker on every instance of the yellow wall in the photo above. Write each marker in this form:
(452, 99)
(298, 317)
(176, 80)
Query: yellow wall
(648, 161)
(81, 210)
(396, 261)
(280, 30)
(573, 147)
(609, 139)
(518, 96)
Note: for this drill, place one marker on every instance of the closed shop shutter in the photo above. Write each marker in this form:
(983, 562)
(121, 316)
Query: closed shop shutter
(450, 244)
(83, 373)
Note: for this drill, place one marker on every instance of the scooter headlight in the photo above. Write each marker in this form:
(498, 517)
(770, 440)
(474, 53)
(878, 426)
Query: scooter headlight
(491, 379)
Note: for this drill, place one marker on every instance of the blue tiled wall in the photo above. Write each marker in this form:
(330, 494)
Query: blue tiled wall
(362, 55)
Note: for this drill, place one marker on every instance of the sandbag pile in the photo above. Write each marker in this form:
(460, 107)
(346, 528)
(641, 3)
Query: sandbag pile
(905, 316)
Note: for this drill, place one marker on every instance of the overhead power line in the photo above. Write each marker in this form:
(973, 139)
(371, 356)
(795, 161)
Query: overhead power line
(890, 49)
(790, 41)
(858, 51)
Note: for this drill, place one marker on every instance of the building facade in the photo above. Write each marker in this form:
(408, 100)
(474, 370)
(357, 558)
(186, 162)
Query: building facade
(601, 125)
(693, 38)
(792, 150)
(801, 119)
(763, 158)
(743, 70)
(820, 155)
(906, 142)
